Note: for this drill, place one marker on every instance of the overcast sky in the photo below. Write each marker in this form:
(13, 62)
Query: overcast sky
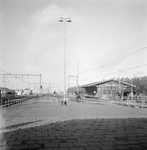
(101, 31)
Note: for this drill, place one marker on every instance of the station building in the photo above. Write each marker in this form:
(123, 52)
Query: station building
(109, 89)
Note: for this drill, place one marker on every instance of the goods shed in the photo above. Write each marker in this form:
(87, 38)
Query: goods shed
(109, 89)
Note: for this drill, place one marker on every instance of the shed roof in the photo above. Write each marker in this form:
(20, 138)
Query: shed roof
(106, 81)
(5, 89)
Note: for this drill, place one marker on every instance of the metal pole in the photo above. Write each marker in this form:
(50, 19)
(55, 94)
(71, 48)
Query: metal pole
(64, 61)
(77, 75)
(49, 88)
(119, 87)
(40, 83)
(68, 85)
(4, 81)
(64, 20)
(132, 90)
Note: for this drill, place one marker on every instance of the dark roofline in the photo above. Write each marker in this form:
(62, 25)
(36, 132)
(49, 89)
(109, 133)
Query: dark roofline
(125, 83)
(102, 82)
(5, 89)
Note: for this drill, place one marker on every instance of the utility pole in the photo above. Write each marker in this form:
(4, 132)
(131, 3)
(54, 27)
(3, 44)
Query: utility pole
(4, 80)
(77, 75)
(49, 88)
(68, 85)
(40, 85)
(132, 89)
(119, 89)
(75, 79)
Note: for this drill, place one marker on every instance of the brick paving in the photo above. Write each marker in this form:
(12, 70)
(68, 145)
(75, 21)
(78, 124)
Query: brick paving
(78, 126)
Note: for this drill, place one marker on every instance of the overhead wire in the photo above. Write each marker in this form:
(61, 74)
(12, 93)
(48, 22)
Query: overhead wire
(10, 64)
(14, 76)
(118, 59)
(116, 72)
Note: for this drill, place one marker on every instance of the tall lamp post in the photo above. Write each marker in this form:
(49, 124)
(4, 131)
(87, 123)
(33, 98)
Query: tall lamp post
(64, 20)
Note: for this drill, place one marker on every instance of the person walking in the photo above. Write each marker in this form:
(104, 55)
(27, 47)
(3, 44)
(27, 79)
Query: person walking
(78, 96)
(54, 95)
(64, 101)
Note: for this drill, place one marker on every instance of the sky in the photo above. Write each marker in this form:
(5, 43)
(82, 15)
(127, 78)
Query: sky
(105, 39)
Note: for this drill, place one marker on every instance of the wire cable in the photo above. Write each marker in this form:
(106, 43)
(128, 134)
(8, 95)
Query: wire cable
(116, 72)
(10, 65)
(115, 60)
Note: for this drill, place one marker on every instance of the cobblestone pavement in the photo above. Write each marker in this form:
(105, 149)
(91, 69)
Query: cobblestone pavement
(48, 125)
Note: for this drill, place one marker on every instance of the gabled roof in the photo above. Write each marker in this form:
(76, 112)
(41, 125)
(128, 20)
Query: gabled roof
(125, 83)
(5, 89)
(27, 89)
(94, 84)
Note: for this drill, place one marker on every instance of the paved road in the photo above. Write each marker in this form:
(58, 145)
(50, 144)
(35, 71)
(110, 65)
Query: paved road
(47, 125)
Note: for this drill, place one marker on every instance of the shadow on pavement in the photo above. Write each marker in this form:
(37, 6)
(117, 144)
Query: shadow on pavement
(19, 125)
(77, 134)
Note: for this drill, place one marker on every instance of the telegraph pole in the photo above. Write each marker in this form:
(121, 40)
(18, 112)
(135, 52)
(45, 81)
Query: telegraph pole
(77, 75)
(40, 85)
(75, 79)
(49, 88)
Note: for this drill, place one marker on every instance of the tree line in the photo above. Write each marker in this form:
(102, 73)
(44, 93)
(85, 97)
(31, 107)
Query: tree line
(139, 82)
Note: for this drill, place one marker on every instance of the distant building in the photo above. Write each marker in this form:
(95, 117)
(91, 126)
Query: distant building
(27, 91)
(109, 89)
(19, 92)
(6, 93)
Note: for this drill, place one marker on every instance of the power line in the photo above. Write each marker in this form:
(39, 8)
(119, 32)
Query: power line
(3, 71)
(10, 74)
(117, 71)
(10, 65)
(115, 60)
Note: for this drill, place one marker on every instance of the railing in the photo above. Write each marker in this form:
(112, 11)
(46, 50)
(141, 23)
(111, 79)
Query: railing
(138, 102)
(94, 100)
(11, 102)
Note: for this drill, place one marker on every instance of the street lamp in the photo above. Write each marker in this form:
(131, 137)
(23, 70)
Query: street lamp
(64, 20)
